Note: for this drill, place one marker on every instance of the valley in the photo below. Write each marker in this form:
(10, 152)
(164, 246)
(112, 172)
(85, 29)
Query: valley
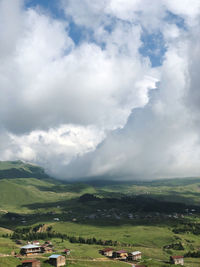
(159, 218)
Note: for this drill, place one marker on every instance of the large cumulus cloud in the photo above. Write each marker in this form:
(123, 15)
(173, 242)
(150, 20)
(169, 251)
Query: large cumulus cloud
(97, 106)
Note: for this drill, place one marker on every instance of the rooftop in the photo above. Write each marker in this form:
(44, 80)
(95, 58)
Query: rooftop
(54, 256)
(107, 249)
(177, 257)
(30, 246)
(29, 261)
(134, 253)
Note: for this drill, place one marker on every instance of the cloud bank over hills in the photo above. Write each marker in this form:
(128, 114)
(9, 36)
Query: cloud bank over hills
(94, 88)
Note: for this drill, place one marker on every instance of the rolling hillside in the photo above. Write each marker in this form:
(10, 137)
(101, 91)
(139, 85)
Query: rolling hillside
(144, 216)
(22, 184)
(19, 169)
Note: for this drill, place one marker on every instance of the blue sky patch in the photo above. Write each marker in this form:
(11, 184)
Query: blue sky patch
(153, 47)
(174, 19)
(50, 5)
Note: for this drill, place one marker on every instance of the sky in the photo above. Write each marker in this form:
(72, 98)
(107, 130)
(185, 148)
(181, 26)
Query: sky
(106, 88)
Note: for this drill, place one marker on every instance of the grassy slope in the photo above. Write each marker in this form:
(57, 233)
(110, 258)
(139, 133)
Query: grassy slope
(4, 231)
(5, 165)
(185, 190)
(9, 262)
(7, 246)
(17, 193)
(17, 169)
(23, 195)
(151, 236)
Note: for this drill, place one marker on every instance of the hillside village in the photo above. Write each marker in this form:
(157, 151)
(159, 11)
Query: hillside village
(31, 252)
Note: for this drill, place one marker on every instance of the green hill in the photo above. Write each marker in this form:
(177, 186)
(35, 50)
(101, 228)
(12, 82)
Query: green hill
(23, 184)
(19, 169)
(146, 215)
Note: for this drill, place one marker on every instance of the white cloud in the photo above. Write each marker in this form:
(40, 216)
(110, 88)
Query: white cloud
(55, 82)
(54, 148)
(189, 10)
(161, 139)
(100, 90)
(11, 20)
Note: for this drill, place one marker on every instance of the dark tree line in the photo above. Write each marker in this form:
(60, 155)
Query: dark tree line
(31, 234)
(140, 203)
(175, 246)
(192, 254)
(193, 228)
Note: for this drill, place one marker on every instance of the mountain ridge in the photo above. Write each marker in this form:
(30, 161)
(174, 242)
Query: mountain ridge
(20, 169)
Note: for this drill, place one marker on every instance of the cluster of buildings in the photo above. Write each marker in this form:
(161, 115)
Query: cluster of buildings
(35, 249)
(135, 256)
(121, 254)
(59, 260)
(55, 260)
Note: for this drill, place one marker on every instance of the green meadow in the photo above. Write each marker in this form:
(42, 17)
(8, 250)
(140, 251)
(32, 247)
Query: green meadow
(140, 216)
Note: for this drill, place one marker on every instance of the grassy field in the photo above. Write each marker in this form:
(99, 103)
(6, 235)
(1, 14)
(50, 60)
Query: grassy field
(4, 231)
(7, 246)
(151, 236)
(98, 264)
(28, 197)
(18, 193)
(147, 239)
(9, 262)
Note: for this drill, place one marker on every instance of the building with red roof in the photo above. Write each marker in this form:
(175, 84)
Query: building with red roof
(177, 260)
(67, 251)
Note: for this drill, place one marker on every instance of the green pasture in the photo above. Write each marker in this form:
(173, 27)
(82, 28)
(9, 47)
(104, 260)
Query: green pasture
(152, 236)
(95, 263)
(7, 246)
(9, 262)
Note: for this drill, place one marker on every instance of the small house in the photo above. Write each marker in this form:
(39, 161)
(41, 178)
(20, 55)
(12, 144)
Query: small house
(177, 260)
(134, 256)
(108, 252)
(31, 263)
(30, 249)
(67, 251)
(57, 260)
(120, 254)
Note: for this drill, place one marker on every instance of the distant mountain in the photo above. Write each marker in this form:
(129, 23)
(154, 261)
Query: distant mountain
(25, 187)
(23, 184)
(20, 169)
